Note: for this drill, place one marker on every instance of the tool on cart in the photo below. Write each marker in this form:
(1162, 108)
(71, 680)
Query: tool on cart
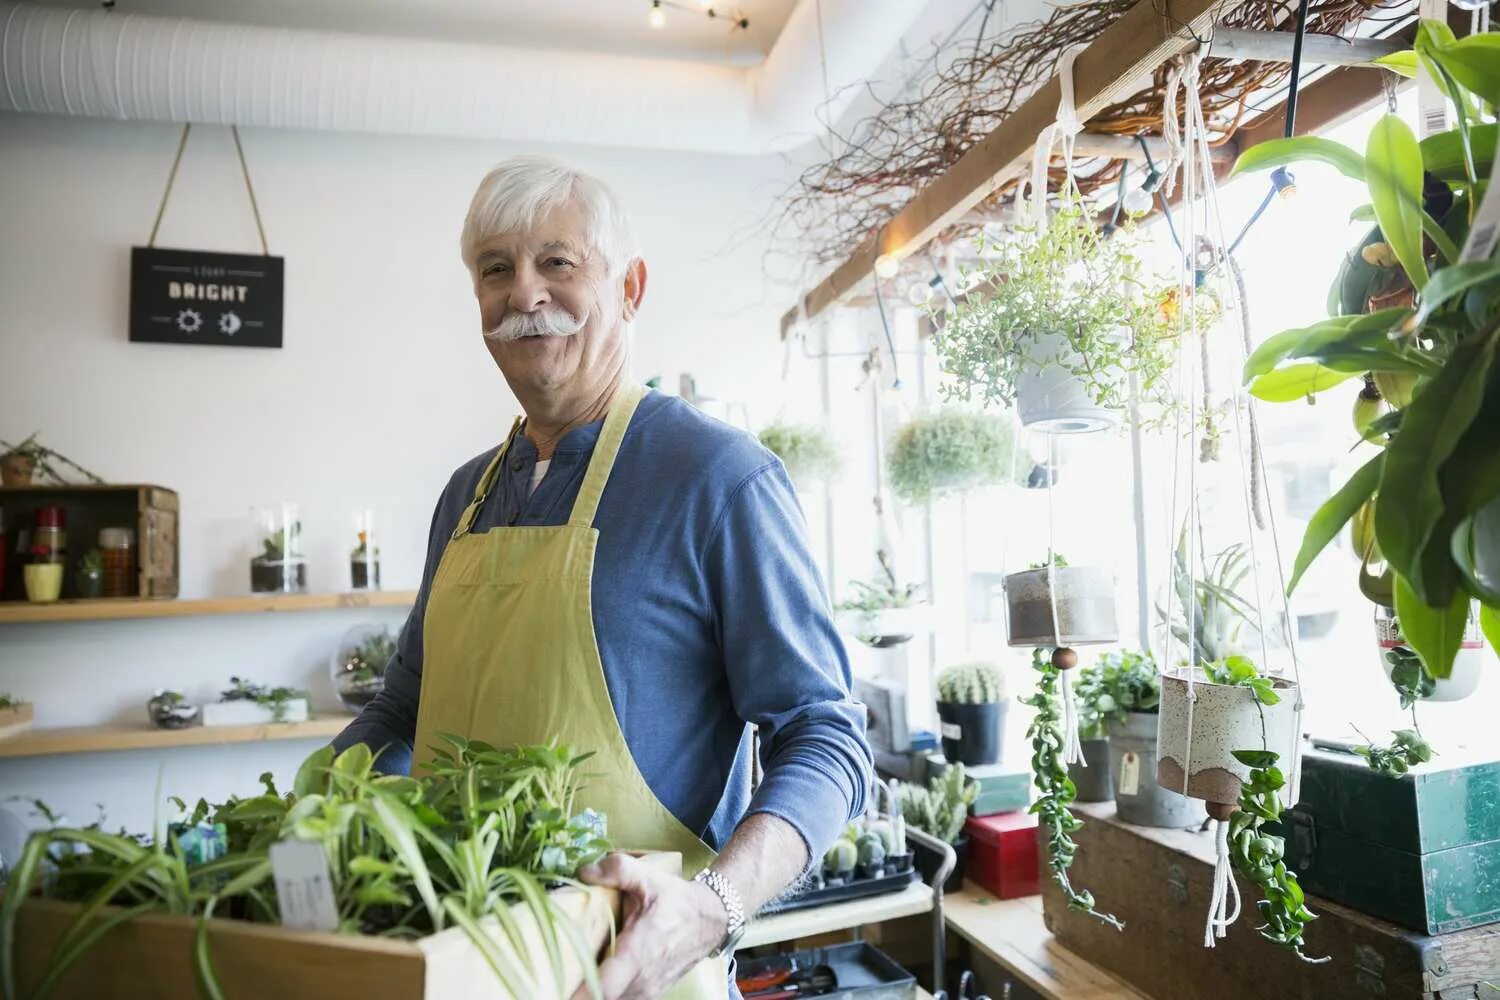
(785, 984)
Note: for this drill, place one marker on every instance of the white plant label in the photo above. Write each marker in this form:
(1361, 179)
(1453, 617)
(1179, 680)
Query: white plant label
(1130, 774)
(1486, 228)
(952, 731)
(303, 887)
(1432, 106)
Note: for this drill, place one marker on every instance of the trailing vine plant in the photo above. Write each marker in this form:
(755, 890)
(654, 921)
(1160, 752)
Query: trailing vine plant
(1409, 747)
(1055, 788)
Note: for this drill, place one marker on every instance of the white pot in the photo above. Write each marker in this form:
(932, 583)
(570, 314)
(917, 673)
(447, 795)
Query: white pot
(1468, 666)
(1224, 719)
(248, 713)
(1085, 607)
(888, 626)
(1050, 398)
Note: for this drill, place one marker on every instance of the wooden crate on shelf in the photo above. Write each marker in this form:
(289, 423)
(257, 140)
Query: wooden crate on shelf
(150, 511)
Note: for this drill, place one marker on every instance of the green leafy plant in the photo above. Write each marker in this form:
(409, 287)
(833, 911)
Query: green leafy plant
(1053, 559)
(1411, 682)
(971, 684)
(360, 551)
(277, 700)
(367, 661)
(1240, 671)
(1064, 278)
(942, 808)
(91, 562)
(1119, 683)
(274, 544)
(6, 701)
(883, 592)
(1056, 791)
(807, 451)
(1407, 751)
(952, 451)
(480, 836)
(39, 456)
(1424, 325)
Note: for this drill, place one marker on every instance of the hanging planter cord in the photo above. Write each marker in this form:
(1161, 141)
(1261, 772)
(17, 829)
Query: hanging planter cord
(1219, 917)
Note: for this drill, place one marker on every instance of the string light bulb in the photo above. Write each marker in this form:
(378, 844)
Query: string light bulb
(658, 17)
(1137, 202)
(920, 293)
(886, 266)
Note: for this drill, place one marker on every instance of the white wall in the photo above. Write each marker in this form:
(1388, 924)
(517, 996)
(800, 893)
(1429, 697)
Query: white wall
(383, 385)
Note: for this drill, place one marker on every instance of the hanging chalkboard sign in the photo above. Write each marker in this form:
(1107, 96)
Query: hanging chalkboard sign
(202, 297)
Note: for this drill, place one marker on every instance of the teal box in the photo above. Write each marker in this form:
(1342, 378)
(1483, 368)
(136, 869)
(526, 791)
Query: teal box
(1421, 850)
(1002, 788)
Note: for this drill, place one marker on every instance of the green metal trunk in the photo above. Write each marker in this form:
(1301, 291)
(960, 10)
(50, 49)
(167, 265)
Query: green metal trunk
(1422, 850)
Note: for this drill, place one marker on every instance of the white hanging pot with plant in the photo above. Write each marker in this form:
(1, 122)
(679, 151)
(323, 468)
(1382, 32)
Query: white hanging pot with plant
(1468, 666)
(1085, 606)
(1050, 394)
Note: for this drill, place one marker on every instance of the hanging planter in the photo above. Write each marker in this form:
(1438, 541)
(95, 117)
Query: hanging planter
(952, 451)
(1085, 601)
(807, 451)
(1225, 718)
(1468, 666)
(884, 613)
(1051, 396)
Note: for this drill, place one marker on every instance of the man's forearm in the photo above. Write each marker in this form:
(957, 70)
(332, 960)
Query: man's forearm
(764, 856)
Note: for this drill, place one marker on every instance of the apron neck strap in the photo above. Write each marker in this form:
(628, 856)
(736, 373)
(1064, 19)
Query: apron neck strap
(605, 450)
(486, 482)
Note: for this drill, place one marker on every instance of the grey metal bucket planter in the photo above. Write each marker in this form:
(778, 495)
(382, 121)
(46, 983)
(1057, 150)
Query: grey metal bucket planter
(1138, 797)
(1093, 782)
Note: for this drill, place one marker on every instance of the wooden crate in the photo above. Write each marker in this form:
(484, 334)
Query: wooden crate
(1159, 882)
(152, 511)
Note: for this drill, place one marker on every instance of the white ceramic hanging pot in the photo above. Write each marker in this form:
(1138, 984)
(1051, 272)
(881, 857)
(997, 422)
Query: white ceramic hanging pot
(887, 627)
(1468, 666)
(1224, 719)
(1050, 398)
(1085, 607)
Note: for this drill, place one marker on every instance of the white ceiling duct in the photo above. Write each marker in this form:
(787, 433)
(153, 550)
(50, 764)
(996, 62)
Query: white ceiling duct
(132, 66)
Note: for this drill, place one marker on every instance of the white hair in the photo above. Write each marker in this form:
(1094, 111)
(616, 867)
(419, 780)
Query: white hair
(517, 193)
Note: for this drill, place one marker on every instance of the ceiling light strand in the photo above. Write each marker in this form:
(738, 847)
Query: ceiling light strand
(657, 17)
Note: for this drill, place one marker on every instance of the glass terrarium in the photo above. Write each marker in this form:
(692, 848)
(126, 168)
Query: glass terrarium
(364, 558)
(278, 565)
(359, 662)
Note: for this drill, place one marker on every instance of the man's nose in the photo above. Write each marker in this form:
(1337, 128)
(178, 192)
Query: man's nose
(528, 292)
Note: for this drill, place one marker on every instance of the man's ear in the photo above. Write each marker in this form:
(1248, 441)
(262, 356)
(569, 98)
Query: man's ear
(635, 287)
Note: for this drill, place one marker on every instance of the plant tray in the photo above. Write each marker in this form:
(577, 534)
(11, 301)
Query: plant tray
(861, 971)
(857, 889)
(248, 713)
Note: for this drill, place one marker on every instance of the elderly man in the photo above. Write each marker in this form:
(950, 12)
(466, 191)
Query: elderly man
(629, 576)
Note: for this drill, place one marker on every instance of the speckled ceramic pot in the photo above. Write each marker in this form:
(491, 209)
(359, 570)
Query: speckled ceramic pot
(1085, 607)
(1224, 719)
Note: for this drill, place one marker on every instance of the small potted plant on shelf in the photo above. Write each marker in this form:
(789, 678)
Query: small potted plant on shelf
(15, 716)
(90, 575)
(807, 451)
(1126, 690)
(359, 664)
(364, 564)
(170, 710)
(19, 463)
(43, 576)
(971, 711)
(952, 451)
(1091, 775)
(245, 703)
(940, 810)
(279, 567)
(1082, 599)
(884, 613)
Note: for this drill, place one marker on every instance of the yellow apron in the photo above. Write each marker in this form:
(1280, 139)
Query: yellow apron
(509, 657)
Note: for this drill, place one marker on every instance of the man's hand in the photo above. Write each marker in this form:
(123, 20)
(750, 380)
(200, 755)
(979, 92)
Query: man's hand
(670, 925)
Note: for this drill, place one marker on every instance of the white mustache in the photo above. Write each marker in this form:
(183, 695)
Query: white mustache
(542, 323)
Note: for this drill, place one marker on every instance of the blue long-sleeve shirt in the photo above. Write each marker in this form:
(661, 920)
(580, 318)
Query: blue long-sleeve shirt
(709, 614)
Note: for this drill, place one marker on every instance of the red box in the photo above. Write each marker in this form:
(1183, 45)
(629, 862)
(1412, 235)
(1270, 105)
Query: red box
(1003, 855)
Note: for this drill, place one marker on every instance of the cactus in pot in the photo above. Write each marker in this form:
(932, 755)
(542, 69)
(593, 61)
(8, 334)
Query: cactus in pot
(971, 706)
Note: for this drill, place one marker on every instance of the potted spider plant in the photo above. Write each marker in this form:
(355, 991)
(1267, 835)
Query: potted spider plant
(951, 451)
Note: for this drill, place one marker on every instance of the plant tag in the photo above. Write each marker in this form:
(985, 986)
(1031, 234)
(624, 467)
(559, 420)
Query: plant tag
(302, 886)
(1486, 227)
(1432, 106)
(1130, 774)
(951, 730)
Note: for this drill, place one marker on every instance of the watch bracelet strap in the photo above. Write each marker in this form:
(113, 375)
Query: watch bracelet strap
(730, 897)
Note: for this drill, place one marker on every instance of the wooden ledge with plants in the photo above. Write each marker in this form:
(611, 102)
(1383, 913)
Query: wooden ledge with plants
(456, 883)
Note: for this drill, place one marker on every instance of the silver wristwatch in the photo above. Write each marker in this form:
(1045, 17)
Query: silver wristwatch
(730, 897)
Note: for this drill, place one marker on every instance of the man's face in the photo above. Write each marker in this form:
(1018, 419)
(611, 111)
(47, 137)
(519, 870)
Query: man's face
(550, 310)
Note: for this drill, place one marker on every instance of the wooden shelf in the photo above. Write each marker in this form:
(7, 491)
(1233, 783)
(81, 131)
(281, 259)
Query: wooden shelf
(97, 739)
(778, 927)
(1012, 933)
(113, 609)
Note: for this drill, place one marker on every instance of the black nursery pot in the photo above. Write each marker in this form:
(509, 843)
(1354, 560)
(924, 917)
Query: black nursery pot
(927, 861)
(971, 733)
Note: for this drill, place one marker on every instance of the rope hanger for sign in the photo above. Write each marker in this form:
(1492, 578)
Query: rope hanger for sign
(166, 195)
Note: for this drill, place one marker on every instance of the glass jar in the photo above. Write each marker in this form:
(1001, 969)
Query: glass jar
(364, 557)
(49, 535)
(278, 565)
(117, 546)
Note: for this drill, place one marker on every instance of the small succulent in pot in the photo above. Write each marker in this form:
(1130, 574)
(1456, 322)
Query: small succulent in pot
(170, 710)
(90, 576)
(971, 709)
(364, 564)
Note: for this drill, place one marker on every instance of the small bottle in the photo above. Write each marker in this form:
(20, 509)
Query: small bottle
(117, 545)
(50, 533)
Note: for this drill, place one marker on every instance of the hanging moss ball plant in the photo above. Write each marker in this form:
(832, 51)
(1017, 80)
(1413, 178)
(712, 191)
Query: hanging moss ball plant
(807, 451)
(952, 451)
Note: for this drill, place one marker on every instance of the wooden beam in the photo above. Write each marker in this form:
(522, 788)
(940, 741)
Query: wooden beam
(1317, 50)
(1324, 104)
(1110, 69)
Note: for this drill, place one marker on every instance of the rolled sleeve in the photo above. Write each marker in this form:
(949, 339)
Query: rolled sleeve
(787, 667)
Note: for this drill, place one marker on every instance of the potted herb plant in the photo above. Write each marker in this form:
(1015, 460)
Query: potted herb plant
(43, 576)
(883, 613)
(359, 664)
(940, 810)
(951, 451)
(1091, 775)
(245, 704)
(170, 710)
(15, 716)
(971, 710)
(1127, 696)
(19, 463)
(808, 451)
(1056, 326)
(1084, 599)
(1415, 310)
(279, 566)
(90, 574)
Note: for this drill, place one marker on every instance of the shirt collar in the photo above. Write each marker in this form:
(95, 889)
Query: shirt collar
(578, 441)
